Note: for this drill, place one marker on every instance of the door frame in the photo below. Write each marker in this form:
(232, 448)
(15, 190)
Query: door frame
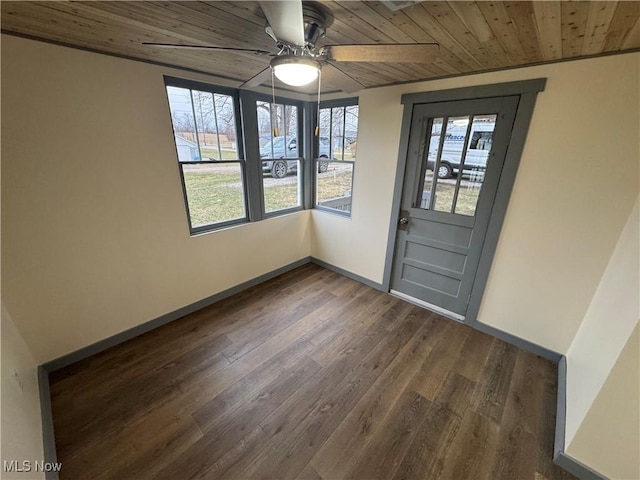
(527, 90)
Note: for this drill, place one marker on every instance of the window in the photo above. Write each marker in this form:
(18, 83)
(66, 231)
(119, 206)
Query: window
(335, 156)
(278, 132)
(210, 159)
(244, 156)
(460, 170)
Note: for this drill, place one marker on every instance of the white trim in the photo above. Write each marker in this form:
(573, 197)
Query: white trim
(429, 306)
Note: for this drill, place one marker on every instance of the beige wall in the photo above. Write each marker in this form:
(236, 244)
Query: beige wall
(576, 184)
(21, 421)
(611, 317)
(94, 232)
(609, 438)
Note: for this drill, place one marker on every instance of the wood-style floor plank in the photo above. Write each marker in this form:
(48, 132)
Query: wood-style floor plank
(308, 376)
(343, 448)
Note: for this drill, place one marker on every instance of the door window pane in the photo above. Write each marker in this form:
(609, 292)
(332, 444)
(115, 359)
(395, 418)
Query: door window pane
(433, 146)
(475, 164)
(454, 144)
(460, 167)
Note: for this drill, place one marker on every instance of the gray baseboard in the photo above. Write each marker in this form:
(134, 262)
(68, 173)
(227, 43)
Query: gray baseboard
(560, 458)
(348, 274)
(517, 341)
(48, 434)
(121, 337)
(48, 438)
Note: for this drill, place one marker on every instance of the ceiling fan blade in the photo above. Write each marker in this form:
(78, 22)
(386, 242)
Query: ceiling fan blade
(285, 19)
(389, 53)
(258, 79)
(334, 76)
(207, 47)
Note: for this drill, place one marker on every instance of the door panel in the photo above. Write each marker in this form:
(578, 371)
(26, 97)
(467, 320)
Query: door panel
(455, 158)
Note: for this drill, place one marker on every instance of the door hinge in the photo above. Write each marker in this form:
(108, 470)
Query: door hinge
(468, 299)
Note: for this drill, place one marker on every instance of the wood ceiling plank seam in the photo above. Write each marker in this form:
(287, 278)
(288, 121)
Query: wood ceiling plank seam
(115, 12)
(633, 37)
(202, 27)
(228, 25)
(447, 17)
(376, 21)
(471, 16)
(247, 10)
(447, 59)
(574, 20)
(366, 78)
(131, 47)
(228, 61)
(426, 21)
(91, 10)
(53, 14)
(506, 32)
(446, 67)
(548, 21)
(598, 21)
(364, 70)
(151, 32)
(165, 60)
(64, 24)
(195, 59)
(382, 70)
(621, 24)
(366, 33)
(224, 64)
(437, 70)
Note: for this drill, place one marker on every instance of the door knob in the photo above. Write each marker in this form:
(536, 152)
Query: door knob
(404, 221)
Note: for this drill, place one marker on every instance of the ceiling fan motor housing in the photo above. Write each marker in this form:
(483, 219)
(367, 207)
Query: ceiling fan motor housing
(316, 18)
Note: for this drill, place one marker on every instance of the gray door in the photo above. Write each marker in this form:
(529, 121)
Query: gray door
(455, 156)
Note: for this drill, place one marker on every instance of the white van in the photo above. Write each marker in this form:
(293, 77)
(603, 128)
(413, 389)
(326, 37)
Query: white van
(477, 155)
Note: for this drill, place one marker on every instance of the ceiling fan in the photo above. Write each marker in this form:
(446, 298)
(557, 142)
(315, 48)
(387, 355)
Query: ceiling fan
(296, 26)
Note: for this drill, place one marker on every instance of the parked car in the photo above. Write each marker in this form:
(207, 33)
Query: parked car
(477, 155)
(280, 156)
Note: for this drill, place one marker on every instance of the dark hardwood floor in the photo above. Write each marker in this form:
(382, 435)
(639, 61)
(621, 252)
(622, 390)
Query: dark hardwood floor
(311, 376)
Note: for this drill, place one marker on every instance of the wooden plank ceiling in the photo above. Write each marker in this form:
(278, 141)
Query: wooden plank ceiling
(473, 36)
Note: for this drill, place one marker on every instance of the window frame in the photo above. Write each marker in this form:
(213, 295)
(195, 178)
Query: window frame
(302, 126)
(247, 141)
(234, 94)
(336, 103)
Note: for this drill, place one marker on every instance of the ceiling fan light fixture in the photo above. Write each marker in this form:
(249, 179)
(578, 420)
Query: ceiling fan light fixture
(295, 71)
